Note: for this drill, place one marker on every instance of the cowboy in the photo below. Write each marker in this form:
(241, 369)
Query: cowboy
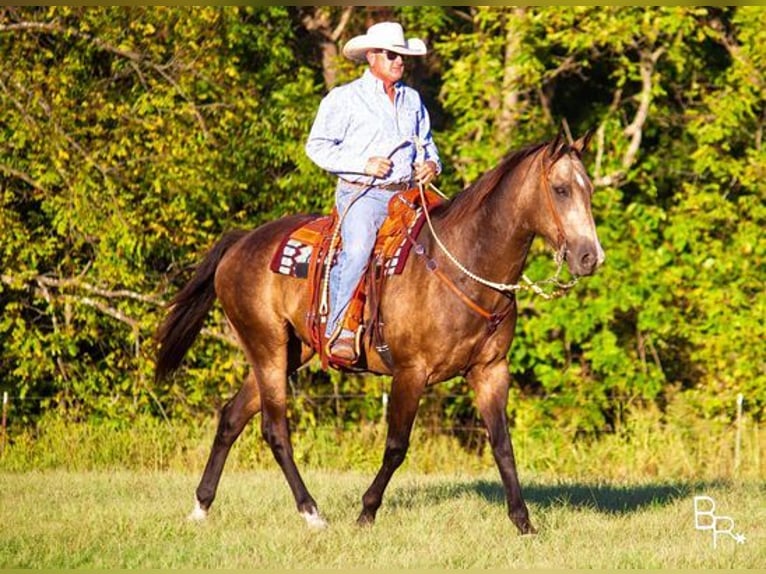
(374, 133)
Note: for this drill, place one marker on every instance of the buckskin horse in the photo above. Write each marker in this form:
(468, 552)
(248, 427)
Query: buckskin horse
(452, 311)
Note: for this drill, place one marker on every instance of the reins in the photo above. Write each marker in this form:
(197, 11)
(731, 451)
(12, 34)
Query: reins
(527, 284)
(324, 303)
(507, 289)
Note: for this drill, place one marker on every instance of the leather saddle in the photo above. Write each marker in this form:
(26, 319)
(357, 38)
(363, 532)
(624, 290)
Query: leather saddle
(306, 252)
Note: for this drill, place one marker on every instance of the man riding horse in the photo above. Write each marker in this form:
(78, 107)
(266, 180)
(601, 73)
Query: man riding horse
(451, 311)
(374, 133)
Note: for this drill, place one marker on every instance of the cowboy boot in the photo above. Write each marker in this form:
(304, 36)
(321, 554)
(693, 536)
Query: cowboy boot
(344, 346)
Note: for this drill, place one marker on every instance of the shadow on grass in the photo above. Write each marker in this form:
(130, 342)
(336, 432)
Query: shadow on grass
(607, 498)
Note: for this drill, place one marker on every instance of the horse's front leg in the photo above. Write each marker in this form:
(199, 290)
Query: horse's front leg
(406, 390)
(490, 383)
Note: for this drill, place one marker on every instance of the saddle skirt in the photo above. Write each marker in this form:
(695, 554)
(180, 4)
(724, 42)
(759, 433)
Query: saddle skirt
(304, 253)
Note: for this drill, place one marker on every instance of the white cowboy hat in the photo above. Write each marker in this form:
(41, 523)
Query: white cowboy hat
(385, 36)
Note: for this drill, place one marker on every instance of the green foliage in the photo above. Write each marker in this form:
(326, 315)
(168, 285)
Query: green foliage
(134, 138)
(679, 303)
(651, 445)
(131, 138)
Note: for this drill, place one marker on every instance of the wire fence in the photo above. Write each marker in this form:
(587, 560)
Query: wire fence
(432, 419)
(4, 426)
(334, 407)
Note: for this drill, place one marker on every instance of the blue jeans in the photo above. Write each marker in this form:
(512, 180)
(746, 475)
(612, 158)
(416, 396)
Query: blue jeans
(358, 232)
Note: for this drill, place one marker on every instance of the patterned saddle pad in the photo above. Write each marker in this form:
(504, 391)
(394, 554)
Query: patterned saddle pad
(294, 256)
(305, 251)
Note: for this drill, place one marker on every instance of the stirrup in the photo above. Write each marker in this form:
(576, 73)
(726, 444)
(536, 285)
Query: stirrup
(357, 345)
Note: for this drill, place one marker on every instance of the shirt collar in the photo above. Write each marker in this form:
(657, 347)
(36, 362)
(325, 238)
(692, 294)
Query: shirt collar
(376, 84)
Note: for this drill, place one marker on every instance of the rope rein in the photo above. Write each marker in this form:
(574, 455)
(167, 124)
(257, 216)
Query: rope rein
(324, 303)
(527, 284)
(537, 287)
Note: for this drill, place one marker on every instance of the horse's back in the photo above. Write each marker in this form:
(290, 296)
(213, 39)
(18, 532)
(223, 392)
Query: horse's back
(244, 280)
(260, 244)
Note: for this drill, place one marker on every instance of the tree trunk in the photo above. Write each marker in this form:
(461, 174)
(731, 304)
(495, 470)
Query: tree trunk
(509, 100)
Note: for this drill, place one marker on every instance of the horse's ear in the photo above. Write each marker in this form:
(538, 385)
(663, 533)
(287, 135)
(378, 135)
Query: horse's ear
(582, 144)
(555, 145)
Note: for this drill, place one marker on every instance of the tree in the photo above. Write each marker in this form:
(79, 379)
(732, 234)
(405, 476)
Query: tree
(131, 138)
(649, 80)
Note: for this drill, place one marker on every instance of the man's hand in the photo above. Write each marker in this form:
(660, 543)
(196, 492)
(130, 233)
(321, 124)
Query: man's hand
(378, 166)
(425, 172)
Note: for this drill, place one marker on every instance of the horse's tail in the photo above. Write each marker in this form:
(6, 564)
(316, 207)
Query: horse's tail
(189, 308)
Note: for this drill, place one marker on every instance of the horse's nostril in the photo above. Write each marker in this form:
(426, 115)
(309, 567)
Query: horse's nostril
(588, 262)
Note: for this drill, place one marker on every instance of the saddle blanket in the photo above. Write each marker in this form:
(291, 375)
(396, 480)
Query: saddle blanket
(294, 256)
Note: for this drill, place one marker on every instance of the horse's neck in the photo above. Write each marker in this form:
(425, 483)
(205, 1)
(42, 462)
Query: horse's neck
(492, 237)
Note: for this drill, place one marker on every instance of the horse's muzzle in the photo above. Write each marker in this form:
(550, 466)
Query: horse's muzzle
(585, 258)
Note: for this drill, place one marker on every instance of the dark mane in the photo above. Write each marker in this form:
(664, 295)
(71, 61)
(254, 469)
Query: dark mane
(474, 195)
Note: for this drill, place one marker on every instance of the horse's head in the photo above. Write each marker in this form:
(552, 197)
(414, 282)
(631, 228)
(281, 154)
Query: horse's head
(565, 218)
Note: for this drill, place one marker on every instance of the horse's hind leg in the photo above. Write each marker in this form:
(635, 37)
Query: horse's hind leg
(277, 434)
(234, 417)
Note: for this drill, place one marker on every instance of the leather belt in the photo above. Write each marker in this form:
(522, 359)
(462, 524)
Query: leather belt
(401, 186)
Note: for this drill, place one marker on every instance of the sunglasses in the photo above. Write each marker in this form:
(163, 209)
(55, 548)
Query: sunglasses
(389, 54)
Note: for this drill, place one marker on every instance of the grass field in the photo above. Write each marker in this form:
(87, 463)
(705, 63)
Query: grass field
(129, 519)
(106, 496)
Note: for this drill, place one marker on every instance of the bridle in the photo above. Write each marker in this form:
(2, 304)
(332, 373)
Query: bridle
(526, 283)
(561, 236)
(494, 319)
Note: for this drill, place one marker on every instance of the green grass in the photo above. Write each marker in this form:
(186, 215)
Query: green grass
(64, 519)
(649, 449)
(106, 495)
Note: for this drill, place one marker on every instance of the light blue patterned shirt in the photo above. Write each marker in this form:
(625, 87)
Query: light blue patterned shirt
(357, 120)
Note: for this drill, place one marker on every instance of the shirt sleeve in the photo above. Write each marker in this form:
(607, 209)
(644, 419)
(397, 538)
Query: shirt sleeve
(424, 132)
(326, 142)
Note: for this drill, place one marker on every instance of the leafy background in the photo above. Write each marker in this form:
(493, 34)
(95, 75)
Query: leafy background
(132, 137)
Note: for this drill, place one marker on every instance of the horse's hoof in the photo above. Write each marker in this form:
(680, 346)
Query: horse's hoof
(198, 514)
(522, 523)
(314, 520)
(365, 519)
(526, 529)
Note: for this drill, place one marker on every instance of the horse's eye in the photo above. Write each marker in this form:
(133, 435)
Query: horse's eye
(561, 190)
